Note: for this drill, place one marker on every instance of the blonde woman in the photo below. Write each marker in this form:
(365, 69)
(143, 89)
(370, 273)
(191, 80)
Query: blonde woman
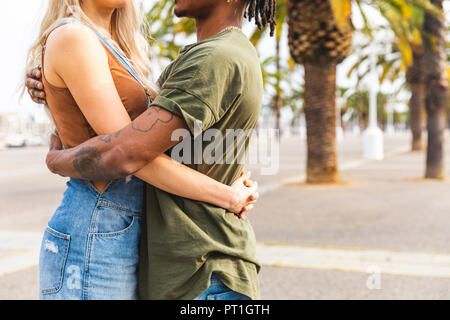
(94, 71)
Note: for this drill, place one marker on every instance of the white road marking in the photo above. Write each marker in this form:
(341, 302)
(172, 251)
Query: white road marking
(276, 255)
(26, 242)
(18, 262)
(19, 240)
(356, 260)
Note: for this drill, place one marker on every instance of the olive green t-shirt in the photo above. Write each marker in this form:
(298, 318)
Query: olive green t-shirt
(215, 85)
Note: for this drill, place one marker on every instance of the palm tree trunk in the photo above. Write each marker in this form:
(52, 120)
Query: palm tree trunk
(320, 113)
(417, 112)
(436, 91)
(435, 150)
(416, 83)
(278, 88)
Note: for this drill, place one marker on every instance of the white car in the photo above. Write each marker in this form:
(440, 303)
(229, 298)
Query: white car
(15, 141)
(34, 141)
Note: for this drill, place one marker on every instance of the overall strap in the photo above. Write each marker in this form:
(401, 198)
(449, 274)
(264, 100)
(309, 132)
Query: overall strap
(118, 55)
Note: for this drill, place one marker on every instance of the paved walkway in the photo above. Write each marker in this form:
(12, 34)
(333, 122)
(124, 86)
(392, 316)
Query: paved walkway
(382, 234)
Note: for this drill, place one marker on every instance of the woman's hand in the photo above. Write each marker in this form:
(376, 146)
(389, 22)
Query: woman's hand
(246, 194)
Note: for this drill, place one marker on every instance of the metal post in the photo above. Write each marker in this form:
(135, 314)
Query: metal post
(373, 144)
(390, 129)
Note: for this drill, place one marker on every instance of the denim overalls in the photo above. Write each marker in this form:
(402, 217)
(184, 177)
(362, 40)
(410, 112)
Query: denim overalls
(90, 248)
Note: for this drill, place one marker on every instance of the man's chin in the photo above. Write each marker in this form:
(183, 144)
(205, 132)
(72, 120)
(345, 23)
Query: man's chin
(178, 13)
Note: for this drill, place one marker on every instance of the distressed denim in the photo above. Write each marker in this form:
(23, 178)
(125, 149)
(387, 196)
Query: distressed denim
(90, 249)
(218, 291)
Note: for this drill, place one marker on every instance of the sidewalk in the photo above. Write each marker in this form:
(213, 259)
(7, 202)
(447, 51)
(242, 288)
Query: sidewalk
(315, 242)
(381, 205)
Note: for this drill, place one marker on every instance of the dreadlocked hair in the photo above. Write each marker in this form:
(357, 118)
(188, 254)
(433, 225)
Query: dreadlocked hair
(264, 13)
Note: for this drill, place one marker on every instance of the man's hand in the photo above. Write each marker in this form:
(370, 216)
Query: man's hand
(35, 87)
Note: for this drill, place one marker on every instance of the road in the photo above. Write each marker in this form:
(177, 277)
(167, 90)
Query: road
(381, 234)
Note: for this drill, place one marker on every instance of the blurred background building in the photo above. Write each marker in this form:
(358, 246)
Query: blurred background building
(21, 121)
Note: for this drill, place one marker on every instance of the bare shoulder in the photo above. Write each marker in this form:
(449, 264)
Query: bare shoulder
(72, 52)
(72, 38)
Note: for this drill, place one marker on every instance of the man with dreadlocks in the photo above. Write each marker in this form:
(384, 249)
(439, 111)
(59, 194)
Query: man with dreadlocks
(191, 249)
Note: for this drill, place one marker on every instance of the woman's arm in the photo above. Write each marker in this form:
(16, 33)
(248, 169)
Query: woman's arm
(75, 58)
(176, 178)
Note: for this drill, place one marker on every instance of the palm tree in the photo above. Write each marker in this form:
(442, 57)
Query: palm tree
(394, 67)
(320, 36)
(164, 28)
(405, 19)
(274, 79)
(436, 89)
(416, 82)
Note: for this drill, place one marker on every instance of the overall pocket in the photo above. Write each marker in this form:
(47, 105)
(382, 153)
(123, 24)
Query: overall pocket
(110, 220)
(52, 260)
(112, 271)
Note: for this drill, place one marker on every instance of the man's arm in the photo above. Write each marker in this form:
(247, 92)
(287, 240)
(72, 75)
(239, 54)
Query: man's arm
(122, 153)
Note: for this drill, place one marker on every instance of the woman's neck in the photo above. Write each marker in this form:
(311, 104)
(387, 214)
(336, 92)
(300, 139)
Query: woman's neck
(100, 16)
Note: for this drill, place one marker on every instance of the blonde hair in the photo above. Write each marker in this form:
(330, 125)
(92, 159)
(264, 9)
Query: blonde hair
(128, 30)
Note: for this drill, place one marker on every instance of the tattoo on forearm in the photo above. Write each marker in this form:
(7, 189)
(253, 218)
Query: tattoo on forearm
(147, 127)
(88, 162)
(108, 138)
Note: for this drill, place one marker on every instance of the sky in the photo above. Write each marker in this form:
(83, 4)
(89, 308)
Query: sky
(19, 24)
